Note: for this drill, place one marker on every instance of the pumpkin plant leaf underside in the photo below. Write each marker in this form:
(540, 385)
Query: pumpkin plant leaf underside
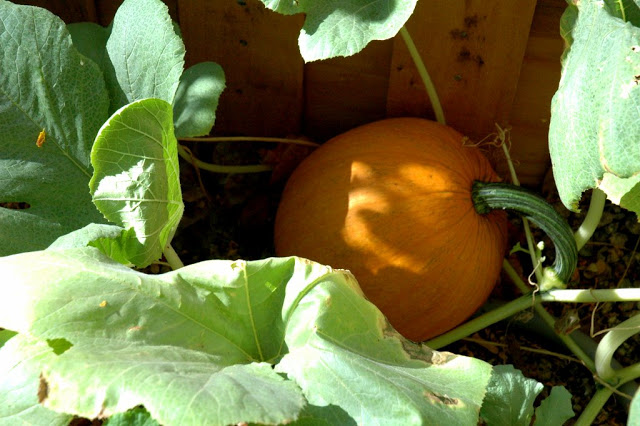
(344, 28)
(136, 183)
(204, 328)
(50, 87)
(594, 122)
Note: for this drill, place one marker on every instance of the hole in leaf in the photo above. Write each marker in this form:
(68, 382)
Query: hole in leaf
(16, 205)
(59, 346)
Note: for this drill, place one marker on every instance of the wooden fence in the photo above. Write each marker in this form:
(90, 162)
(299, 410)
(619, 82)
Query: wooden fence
(492, 61)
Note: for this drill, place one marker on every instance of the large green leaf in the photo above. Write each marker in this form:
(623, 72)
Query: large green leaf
(146, 53)
(91, 40)
(21, 361)
(199, 87)
(211, 332)
(595, 122)
(626, 10)
(197, 97)
(510, 397)
(109, 239)
(342, 351)
(176, 385)
(45, 84)
(555, 409)
(344, 27)
(136, 182)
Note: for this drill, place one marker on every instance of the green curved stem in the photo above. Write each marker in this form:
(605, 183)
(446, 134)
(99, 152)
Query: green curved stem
(424, 75)
(172, 257)
(628, 374)
(610, 343)
(217, 168)
(251, 139)
(496, 195)
(592, 219)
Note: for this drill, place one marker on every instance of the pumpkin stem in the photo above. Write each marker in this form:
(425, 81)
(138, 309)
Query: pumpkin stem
(488, 196)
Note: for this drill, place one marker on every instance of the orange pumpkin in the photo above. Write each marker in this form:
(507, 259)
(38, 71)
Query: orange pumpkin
(391, 201)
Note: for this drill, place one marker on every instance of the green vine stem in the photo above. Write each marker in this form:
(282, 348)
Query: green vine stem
(603, 394)
(219, 139)
(218, 168)
(610, 343)
(592, 219)
(172, 257)
(496, 195)
(592, 296)
(523, 302)
(594, 407)
(424, 75)
(627, 374)
(577, 350)
(495, 315)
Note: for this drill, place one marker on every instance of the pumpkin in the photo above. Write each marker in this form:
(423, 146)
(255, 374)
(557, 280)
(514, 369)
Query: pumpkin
(396, 203)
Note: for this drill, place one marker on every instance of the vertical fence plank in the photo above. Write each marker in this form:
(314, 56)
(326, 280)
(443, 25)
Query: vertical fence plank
(539, 77)
(473, 50)
(342, 93)
(258, 51)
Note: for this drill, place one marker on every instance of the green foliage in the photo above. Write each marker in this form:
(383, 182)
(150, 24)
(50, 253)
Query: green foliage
(21, 361)
(136, 182)
(53, 87)
(218, 342)
(594, 112)
(627, 10)
(135, 417)
(556, 409)
(196, 101)
(45, 84)
(209, 335)
(5, 335)
(343, 28)
(510, 397)
(146, 54)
